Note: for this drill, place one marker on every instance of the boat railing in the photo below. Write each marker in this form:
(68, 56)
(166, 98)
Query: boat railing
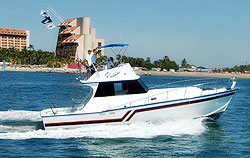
(166, 94)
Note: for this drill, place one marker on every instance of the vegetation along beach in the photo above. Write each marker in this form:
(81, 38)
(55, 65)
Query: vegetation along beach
(30, 60)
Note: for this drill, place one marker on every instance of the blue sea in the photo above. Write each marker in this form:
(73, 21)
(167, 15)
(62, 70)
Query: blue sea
(25, 94)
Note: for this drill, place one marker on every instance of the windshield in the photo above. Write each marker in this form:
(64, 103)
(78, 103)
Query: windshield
(87, 97)
(87, 94)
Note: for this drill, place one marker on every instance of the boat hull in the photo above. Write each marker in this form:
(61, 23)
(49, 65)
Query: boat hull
(196, 107)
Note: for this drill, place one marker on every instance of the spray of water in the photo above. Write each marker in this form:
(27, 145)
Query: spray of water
(135, 130)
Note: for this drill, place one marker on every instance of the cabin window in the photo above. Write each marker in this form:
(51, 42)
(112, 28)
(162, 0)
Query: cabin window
(105, 89)
(135, 87)
(120, 88)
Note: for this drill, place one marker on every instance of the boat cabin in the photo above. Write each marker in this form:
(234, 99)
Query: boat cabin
(120, 80)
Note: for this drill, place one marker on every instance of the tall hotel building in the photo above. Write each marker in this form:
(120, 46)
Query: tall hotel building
(76, 37)
(14, 38)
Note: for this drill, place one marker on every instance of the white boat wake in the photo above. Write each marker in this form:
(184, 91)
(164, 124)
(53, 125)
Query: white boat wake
(18, 121)
(20, 115)
(136, 130)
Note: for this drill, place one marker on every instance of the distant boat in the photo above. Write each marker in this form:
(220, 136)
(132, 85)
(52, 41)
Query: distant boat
(4, 66)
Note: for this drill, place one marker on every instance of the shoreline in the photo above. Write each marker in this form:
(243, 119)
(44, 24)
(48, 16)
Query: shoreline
(41, 69)
(193, 74)
(138, 72)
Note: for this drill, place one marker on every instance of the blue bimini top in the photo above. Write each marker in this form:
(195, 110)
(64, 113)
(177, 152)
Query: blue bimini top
(114, 45)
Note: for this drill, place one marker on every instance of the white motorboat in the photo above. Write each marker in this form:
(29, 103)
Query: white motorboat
(118, 95)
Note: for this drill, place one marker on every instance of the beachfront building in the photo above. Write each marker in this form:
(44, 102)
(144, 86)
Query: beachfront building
(14, 38)
(76, 37)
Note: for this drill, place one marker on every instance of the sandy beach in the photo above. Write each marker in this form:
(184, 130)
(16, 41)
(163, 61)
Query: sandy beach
(139, 72)
(41, 69)
(194, 74)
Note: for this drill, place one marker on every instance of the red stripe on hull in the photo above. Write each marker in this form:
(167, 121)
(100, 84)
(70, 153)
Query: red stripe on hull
(136, 111)
(177, 104)
(87, 122)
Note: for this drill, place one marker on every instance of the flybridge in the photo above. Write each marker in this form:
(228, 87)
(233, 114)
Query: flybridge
(119, 73)
(117, 48)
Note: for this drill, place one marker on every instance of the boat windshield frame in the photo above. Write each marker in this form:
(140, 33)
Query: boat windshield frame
(87, 98)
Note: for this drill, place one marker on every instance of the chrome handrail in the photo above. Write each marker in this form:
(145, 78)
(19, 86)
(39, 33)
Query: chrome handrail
(168, 91)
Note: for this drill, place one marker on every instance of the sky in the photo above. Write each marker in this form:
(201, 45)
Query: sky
(207, 33)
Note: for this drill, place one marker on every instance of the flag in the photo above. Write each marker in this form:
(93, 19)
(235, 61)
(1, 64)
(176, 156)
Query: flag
(47, 19)
(51, 26)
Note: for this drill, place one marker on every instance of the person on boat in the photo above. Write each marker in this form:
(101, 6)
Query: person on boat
(110, 63)
(91, 61)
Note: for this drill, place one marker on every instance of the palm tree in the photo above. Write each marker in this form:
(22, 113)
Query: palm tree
(31, 47)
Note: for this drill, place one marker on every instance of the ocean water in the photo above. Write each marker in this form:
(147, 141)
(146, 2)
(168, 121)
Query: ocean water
(24, 95)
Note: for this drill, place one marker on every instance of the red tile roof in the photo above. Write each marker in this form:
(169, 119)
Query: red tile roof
(66, 22)
(10, 31)
(71, 39)
(68, 30)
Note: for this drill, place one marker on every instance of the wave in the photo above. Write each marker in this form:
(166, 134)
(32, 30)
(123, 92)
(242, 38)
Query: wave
(135, 130)
(9, 128)
(20, 115)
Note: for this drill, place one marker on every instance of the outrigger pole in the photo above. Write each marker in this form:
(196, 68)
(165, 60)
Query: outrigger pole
(50, 9)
